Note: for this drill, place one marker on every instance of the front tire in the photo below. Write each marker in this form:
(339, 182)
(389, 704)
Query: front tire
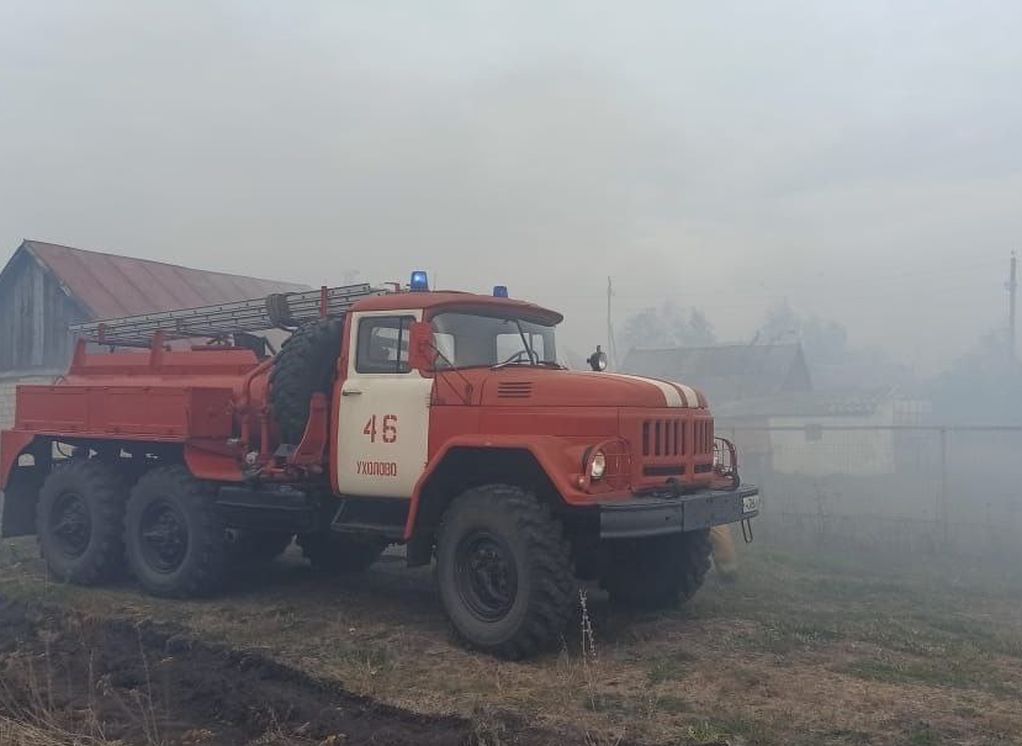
(174, 534)
(504, 571)
(659, 571)
(78, 521)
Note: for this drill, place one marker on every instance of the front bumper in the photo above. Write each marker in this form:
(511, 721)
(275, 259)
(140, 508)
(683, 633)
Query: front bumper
(667, 514)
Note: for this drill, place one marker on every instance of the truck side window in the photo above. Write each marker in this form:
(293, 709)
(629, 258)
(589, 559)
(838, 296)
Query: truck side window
(383, 344)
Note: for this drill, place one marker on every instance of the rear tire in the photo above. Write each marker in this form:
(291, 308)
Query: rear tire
(78, 521)
(304, 366)
(340, 554)
(174, 534)
(504, 571)
(659, 571)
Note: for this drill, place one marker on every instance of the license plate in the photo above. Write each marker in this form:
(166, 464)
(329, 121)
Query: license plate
(750, 504)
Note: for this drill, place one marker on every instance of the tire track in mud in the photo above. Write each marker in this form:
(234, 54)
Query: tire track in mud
(151, 682)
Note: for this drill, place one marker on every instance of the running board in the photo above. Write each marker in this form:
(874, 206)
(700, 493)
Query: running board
(394, 533)
(379, 516)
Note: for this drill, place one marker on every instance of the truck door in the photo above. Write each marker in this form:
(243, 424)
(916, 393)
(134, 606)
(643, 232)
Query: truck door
(383, 419)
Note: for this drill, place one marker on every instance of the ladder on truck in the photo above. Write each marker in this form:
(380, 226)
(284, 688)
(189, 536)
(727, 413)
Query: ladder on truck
(276, 311)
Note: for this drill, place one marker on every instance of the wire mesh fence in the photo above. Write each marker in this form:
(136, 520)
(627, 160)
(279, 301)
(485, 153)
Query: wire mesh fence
(892, 488)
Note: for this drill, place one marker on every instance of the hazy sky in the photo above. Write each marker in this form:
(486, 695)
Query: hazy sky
(861, 159)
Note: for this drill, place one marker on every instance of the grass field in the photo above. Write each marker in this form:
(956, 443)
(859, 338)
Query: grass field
(798, 651)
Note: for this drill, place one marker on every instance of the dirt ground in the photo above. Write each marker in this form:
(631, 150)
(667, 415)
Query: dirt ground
(798, 651)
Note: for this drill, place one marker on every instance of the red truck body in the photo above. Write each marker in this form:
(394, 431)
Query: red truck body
(408, 438)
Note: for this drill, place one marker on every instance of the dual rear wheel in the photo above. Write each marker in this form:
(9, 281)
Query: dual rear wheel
(88, 520)
(174, 536)
(167, 526)
(79, 519)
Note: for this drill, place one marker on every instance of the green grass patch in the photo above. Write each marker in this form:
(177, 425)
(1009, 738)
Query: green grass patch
(966, 671)
(783, 636)
(672, 667)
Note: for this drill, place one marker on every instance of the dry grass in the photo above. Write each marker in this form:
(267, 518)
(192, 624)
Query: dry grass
(797, 651)
(28, 717)
(17, 732)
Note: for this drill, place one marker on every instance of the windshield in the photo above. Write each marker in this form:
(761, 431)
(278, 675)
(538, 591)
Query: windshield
(467, 340)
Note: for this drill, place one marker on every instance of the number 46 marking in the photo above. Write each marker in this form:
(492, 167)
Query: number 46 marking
(389, 433)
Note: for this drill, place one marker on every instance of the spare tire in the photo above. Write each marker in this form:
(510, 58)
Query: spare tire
(305, 365)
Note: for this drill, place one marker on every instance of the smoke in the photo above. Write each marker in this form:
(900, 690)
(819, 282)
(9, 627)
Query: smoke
(858, 160)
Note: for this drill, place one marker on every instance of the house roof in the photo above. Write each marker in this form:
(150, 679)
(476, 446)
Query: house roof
(108, 286)
(727, 372)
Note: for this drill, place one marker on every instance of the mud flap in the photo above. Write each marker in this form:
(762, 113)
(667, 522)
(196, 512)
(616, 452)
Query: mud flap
(17, 514)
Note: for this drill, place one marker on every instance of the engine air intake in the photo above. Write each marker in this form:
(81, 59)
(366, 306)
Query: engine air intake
(514, 389)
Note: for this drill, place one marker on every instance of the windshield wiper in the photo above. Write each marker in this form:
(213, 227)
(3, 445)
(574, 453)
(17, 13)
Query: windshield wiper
(533, 357)
(529, 363)
(526, 349)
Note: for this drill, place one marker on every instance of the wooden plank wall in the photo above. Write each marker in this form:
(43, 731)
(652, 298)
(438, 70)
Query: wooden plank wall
(34, 317)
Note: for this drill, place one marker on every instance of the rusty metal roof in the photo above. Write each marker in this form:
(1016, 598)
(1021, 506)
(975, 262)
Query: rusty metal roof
(108, 286)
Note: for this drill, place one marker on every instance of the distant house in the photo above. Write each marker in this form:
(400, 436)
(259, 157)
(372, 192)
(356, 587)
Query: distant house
(45, 288)
(763, 398)
(823, 433)
(727, 373)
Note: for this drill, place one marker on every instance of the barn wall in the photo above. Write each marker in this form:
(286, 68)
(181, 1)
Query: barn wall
(34, 317)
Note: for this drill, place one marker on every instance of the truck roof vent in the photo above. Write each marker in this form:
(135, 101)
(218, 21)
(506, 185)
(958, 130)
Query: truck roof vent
(514, 389)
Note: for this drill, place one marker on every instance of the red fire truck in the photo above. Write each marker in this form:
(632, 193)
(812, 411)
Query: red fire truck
(437, 420)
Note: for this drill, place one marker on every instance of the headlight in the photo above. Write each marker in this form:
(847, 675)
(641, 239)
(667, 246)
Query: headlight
(597, 465)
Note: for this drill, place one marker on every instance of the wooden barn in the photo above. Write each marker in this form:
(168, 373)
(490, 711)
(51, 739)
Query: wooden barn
(45, 287)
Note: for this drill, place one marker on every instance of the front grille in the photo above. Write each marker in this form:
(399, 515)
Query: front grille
(703, 436)
(663, 437)
(671, 445)
(669, 437)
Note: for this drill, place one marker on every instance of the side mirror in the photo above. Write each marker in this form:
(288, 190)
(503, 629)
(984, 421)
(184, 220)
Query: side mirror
(421, 349)
(598, 360)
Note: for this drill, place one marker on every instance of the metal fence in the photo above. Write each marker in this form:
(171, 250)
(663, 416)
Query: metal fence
(892, 488)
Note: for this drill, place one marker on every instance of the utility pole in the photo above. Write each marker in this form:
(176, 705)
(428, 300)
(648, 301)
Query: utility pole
(611, 346)
(1012, 293)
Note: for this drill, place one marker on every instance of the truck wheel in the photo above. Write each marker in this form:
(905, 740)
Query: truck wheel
(340, 554)
(504, 571)
(304, 366)
(78, 520)
(257, 547)
(174, 534)
(659, 571)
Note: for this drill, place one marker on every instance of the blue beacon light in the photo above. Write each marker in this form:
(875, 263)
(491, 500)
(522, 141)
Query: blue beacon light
(419, 283)
(500, 291)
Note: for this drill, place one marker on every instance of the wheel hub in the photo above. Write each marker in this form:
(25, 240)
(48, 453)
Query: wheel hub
(71, 524)
(164, 536)
(487, 579)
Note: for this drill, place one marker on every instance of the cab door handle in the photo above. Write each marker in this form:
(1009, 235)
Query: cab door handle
(351, 392)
